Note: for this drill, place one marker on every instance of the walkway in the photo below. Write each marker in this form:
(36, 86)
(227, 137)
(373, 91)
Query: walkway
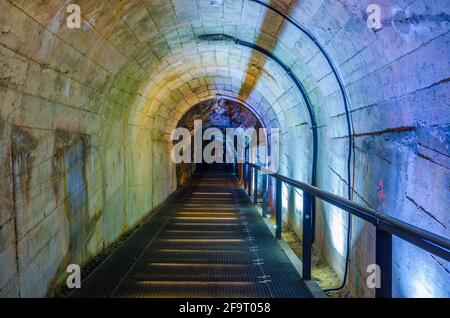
(207, 240)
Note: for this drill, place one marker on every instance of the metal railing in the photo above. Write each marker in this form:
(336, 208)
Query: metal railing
(386, 226)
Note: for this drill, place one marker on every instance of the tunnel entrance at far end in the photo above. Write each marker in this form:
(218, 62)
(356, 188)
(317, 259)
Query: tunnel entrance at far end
(217, 114)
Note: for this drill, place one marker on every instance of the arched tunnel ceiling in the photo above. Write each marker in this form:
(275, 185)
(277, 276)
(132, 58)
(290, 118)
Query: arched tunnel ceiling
(145, 63)
(156, 45)
(219, 66)
(194, 80)
(137, 42)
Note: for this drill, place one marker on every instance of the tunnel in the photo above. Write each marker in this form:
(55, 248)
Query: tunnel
(91, 93)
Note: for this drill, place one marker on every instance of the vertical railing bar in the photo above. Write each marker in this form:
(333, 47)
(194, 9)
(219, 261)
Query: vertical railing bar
(255, 188)
(249, 181)
(264, 195)
(383, 258)
(278, 209)
(307, 235)
(244, 174)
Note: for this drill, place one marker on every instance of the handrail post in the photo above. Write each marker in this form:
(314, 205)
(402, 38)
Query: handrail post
(255, 188)
(249, 180)
(264, 195)
(244, 174)
(383, 259)
(278, 209)
(307, 235)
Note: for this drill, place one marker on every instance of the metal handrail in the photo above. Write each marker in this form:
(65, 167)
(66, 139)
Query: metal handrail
(385, 225)
(389, 224)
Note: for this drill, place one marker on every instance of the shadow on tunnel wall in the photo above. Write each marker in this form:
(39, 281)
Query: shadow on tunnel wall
(274, 24)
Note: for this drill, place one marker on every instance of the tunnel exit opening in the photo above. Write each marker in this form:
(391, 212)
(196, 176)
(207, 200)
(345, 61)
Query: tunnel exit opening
(204, 128)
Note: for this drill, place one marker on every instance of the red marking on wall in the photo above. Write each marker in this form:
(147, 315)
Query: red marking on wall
(381, 196)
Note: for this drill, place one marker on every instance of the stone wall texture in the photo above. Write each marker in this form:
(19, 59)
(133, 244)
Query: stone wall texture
(86, 117)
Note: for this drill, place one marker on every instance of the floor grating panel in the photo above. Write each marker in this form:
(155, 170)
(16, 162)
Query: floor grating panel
(206, 241)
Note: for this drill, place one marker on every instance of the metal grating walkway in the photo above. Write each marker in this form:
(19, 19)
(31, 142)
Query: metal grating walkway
(206, 241)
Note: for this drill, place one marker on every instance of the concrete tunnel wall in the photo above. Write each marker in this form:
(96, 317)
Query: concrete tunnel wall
(86, 115)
